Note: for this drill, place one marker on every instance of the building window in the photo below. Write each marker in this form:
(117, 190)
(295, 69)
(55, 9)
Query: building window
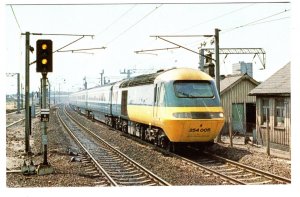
(279, 112)
(265, 111)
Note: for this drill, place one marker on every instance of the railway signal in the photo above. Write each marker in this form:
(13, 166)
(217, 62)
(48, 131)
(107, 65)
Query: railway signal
(44, 56)
(44, 65)
(209, 66)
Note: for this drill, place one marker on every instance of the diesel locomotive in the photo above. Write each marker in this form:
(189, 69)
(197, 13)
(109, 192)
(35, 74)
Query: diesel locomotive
(169, 108)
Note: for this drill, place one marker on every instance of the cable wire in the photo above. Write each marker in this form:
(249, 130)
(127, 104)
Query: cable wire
(254, 22)
(123, 32)
(278, 19)
(115, 21)
(217, 17)
(16, 18)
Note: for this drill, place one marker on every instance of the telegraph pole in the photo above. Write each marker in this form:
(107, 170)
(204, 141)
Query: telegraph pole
(101, 77)
(18, 93)
(217, 70)
(45, 110)
(27, 112)
(217, 59)
(84, 83)
(128, 72)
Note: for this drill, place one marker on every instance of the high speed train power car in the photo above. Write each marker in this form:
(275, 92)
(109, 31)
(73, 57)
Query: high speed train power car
(168, 108)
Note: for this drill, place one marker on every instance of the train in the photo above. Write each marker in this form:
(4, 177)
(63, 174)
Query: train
(169, 108)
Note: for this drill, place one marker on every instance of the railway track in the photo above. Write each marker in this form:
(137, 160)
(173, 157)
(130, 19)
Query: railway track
(13, 118)
(233, 172)
(16, 122)
(113, 167)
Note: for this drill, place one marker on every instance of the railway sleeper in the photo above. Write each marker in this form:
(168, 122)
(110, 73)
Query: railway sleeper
(135, 183)
(125, 172)
(251, 178)
(261, 183)
(235, 172)
(243, 175)
(101, 183)
(136, 179)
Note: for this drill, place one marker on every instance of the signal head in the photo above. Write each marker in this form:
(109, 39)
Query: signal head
(44, 56)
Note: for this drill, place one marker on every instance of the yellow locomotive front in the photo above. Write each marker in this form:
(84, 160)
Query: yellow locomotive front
(187, 106)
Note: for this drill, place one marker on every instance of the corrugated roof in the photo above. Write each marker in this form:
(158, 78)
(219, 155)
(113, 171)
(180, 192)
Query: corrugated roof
(278, 83)
(231, 80)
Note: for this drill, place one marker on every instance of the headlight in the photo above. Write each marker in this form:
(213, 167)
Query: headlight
(217, 115)
(198, 115)
(182, 115)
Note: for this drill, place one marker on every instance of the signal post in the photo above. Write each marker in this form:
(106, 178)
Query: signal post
(44, 65)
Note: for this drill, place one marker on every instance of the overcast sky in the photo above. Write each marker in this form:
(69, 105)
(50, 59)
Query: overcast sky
(126, 28)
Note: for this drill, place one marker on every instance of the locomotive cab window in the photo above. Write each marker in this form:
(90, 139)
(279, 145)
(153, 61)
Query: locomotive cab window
(193, 89)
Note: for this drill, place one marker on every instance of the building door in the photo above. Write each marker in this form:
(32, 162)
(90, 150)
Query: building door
(250, 117)
(124, 103)
(238, 118)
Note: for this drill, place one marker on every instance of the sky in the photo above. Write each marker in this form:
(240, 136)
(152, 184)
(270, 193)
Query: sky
(123, 28)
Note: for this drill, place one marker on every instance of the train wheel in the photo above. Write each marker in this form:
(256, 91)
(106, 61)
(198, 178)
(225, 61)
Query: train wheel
(171, 147)
(113, 123)
(142, 135)
(164, 142)
(125, 126)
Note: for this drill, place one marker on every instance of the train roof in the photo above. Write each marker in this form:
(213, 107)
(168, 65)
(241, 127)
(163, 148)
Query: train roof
(170, 74)
(141, 80)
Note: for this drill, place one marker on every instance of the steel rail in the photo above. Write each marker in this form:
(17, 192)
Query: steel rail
(15, 123)
(82, 146)
(251, 169)
(232, 180)
(153, 176)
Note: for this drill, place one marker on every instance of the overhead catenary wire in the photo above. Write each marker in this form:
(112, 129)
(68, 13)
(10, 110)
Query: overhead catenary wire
(258, 21)
(116, 20)
(213, 19)
(57, 50)
(216, 18)
(278, 19)
(16, 18)
(130, 27)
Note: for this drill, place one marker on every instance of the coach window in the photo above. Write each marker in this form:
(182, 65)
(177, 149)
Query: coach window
(279, 112)
(124, 102)
(161, 95)
(155, 93)
(265, 111)
(193, 89)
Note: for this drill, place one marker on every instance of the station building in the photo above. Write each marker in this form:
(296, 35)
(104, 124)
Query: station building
(237, 104)
(273, 106)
